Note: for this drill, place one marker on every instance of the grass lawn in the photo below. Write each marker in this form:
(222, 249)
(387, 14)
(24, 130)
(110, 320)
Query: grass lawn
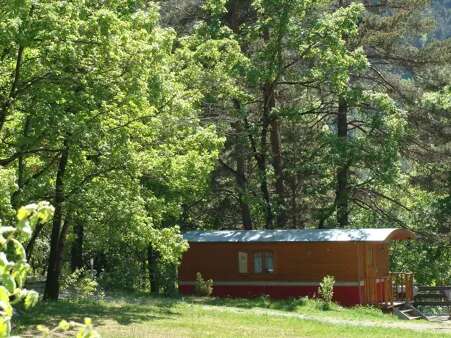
(144, 316)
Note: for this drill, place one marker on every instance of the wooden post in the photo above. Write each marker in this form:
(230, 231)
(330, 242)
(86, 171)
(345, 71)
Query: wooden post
(390, 289)
(387, 290)
(409, 286)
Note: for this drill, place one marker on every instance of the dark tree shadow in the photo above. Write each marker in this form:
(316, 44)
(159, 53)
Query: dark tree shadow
(124, 310)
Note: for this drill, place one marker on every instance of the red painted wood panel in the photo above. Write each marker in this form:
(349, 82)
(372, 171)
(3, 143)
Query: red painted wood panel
(292, 261)
(308, 262)
(344, 295)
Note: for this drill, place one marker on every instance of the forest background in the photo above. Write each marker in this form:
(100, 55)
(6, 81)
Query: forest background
(139, 120)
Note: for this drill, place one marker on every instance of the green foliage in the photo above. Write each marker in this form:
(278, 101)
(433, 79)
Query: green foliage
(326, 291)
(13, 262)
(85, 330)
(203, 288)
(125, 268)
(167, 279)
(429, 261)
(124, 272)
(170, 244)
(81, 285)
(144, 113)
(122, 95)
(7, 186)
(14, 269)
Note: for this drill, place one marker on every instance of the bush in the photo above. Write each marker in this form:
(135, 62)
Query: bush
(81, 285)
(203, 288)
(123, 270)
(167, 275)
(266, 301)
(326, 291)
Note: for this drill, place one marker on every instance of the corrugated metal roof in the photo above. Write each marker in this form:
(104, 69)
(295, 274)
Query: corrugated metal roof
(298, 235)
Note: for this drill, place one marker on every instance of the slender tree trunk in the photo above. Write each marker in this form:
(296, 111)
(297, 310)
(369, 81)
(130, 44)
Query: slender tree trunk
(269, 218)
(240, 175)
(261, 164)
(30, 245)
(341, 197)
(276, 148)
(152, 263)
(268, 104)
(20, 169)
(60, 250)
(20, 181)
(77, 247)
(4, 107)
(53, 268)
(233, 21)
(296, 221)
(260, 158)
(232, 17)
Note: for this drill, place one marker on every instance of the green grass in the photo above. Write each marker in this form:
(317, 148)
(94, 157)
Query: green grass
(305, 306)
(142, 316)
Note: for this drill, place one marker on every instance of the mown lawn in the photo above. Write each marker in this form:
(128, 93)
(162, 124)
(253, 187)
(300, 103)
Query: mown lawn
(143, 316)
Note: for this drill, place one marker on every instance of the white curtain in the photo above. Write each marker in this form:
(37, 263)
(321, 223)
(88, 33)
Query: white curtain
(258, 263)
(269, 262)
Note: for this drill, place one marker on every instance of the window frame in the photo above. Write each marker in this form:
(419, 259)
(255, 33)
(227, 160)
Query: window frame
(264, 254)
(240, 255)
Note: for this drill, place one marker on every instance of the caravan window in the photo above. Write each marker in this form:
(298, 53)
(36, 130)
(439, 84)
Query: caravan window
(242, 262)
(263, 262)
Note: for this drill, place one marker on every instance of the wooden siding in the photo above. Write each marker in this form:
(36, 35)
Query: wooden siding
(292, 261)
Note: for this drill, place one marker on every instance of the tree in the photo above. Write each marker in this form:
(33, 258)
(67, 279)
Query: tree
(106, 98)
(287, 53)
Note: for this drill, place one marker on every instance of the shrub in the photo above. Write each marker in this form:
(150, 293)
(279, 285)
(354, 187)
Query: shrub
(81, 285)
(167, 274)
(203, 288)
(326, 291)
(266, 301)
(123, 270)
(297, 302)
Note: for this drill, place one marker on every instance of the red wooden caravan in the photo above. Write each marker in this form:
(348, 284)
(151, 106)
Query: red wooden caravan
(291, 263)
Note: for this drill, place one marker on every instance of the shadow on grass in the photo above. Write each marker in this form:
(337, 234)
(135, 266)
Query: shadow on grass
(300, 305)
(289, 305)
(124, 310)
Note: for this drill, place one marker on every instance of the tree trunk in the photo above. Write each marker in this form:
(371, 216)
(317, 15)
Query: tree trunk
(341, 197)
(53, 268)
(152, 263)
(233, 21)
(268, 104)
(60, 251)
(241, 167)
(232, 16)
(20, 181)
(260, 157)
(30, 245)
(77, 247)
(5, 106)
(15, 197)
(276, 148)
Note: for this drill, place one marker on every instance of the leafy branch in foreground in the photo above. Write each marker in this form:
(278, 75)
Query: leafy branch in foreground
(13, 262)
(14, 268)
(85, 330)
